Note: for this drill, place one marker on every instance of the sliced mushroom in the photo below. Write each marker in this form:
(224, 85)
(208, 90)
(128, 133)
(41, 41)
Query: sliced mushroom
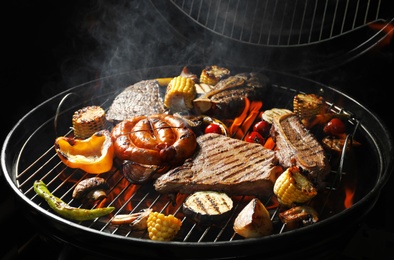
(137, 221)
(299, 216)
(92, 189)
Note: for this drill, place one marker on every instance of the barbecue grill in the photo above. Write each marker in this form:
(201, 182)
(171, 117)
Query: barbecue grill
(51, 119)
(28, 152)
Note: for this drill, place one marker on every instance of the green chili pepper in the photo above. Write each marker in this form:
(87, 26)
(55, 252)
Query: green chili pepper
(65, 210)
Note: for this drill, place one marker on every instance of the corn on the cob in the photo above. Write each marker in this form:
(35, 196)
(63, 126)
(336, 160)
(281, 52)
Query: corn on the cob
(212, 74)
(180, 93)
(292, 187)
(307, 105)
(88, 120)
(163, 227)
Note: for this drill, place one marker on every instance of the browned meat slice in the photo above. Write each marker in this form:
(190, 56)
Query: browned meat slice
(296, 146)
(227, 98)
(142, 98)
(224, 164)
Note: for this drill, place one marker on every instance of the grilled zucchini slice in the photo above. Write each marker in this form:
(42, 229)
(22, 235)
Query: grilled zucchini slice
(208, 207)
(268, 115)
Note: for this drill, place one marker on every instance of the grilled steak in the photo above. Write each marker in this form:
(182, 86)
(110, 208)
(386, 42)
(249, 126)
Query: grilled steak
(226, 99)
(223, 164)
(142, 98)
(296, 146)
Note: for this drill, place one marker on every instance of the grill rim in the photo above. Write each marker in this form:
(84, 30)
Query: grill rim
(304, 59)
(367, 201)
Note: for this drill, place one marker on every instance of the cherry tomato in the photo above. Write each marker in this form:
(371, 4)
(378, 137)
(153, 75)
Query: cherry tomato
(334, 127)
(213, 128)
(255, 137)
(262, 127)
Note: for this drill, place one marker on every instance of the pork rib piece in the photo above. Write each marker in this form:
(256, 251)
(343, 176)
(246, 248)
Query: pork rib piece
(224, 164)
(296, 146)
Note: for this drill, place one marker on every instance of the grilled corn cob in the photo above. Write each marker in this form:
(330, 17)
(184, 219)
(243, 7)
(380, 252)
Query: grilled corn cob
(88, 120)
(307, 105)
(292, 187)
(163, 227)
(212, 74)
(180, 93)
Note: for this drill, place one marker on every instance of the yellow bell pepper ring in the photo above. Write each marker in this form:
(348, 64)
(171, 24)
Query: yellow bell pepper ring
(93, 155)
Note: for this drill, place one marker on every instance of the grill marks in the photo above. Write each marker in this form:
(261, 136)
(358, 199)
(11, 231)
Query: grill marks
(222, 160)
(305, 145)
(240, 168)
(223, 164)
(208, 204)
(298, 147)
(142, 98)
(232, 168)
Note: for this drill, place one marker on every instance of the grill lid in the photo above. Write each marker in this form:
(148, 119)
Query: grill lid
(300, 37)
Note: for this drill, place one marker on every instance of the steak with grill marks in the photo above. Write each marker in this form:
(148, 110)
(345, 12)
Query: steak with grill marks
(296, 146)
(224, 164)
(141, 98)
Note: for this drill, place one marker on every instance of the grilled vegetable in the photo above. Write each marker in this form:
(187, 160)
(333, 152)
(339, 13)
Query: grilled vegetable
(255, 137)
(335, 127)
(180, 93)
(292, 187)
(263, 128)
(268, 115)
(65, 210)
(92, 189)
(88, 120)
(254, 220)
(208, 207)
(307, 105)
(140, 173)
(137, 221)
(163, 227)
(215, 126)
(336, 144)
(93, 155)
(213, 74)
(299, 215)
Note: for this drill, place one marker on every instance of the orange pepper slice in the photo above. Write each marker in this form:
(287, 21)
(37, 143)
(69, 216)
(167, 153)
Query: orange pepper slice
(269, 143)
(93, 155)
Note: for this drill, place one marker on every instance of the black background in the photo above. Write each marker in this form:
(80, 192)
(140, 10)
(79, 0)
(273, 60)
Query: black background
(49, 46)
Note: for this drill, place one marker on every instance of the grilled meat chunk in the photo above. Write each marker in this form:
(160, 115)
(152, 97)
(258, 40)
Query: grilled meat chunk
(296, 146)
(226, 99)
(141, 98)
(224, 164)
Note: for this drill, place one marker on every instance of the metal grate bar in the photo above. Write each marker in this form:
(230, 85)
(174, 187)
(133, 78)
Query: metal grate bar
(281, 22)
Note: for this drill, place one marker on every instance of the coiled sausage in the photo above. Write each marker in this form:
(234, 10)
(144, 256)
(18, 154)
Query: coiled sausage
(154, 140)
